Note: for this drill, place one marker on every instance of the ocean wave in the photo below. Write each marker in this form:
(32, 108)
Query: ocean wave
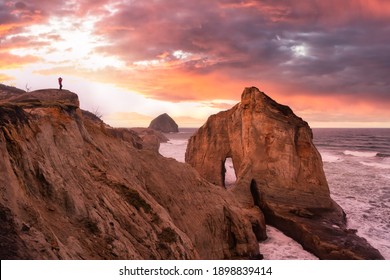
(329, 157)
(386, 176)
(376, 165)
(360, 154)
(281, 247)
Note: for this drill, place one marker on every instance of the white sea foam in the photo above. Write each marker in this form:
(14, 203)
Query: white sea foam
(360, 154)
(363, 193)
(281, 247)
(386, 176)
(358, 181)
(376, 165)
(330, 157)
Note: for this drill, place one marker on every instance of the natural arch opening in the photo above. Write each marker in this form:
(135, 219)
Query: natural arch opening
(228, 173)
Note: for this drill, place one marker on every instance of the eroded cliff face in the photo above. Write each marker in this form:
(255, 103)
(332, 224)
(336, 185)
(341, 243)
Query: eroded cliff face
(278, 169)
(72, 187)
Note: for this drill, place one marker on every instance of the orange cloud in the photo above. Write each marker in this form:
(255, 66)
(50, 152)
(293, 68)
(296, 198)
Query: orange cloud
(5, 29)
(322, 58)
(10, 61)
(186, 121)
(332, 109)
(14, 19)
(17, 42)
(174, 85)
(128, 119)
(5, 78)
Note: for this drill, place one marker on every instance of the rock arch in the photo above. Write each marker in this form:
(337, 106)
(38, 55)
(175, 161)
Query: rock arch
(279, 170)
(229, 176)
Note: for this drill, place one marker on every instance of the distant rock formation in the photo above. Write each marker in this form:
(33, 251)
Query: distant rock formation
(164, 123)
(278, 169)
(71, 187)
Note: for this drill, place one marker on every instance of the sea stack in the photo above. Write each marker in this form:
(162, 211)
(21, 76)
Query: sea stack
(279, 170)
(164, 123)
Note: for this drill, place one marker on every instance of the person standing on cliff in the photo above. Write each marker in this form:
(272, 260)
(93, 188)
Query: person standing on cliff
(60, 82)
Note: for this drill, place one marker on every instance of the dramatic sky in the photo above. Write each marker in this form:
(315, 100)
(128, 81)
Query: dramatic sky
(132, 60)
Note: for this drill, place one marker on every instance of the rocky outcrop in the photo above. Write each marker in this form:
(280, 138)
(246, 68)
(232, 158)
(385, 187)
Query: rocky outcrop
(278, 169)
(151, 138)
(39, 98)
(71, 187)
(164, 123)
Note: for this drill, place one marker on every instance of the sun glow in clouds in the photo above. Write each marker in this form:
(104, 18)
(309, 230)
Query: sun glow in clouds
(187, 51)
(300, 50)
(179, 54)
(166, 59)
(74, 44)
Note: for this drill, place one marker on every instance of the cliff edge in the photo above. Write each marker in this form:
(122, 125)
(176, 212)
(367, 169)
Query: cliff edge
(71, 187)
(279, 170)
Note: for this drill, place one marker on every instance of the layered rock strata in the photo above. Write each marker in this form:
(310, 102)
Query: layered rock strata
(278, 169)
(71, 187)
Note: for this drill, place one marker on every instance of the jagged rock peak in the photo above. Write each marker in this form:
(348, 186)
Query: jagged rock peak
(254, 98)
(164, 123)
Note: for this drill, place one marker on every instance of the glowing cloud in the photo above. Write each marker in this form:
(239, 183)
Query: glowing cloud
(180, 52)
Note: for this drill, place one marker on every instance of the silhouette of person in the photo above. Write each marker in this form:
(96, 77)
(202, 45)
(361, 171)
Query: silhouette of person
(60, 82)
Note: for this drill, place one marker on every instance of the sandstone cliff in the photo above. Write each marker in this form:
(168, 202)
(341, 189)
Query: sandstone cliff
(164, 123)
(72, 187)
(278, 169)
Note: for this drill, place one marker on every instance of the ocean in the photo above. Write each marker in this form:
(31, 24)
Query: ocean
(357, 167)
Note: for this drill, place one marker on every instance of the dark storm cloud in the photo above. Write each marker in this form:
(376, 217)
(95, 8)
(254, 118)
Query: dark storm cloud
(353, 60)
(345, 43)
